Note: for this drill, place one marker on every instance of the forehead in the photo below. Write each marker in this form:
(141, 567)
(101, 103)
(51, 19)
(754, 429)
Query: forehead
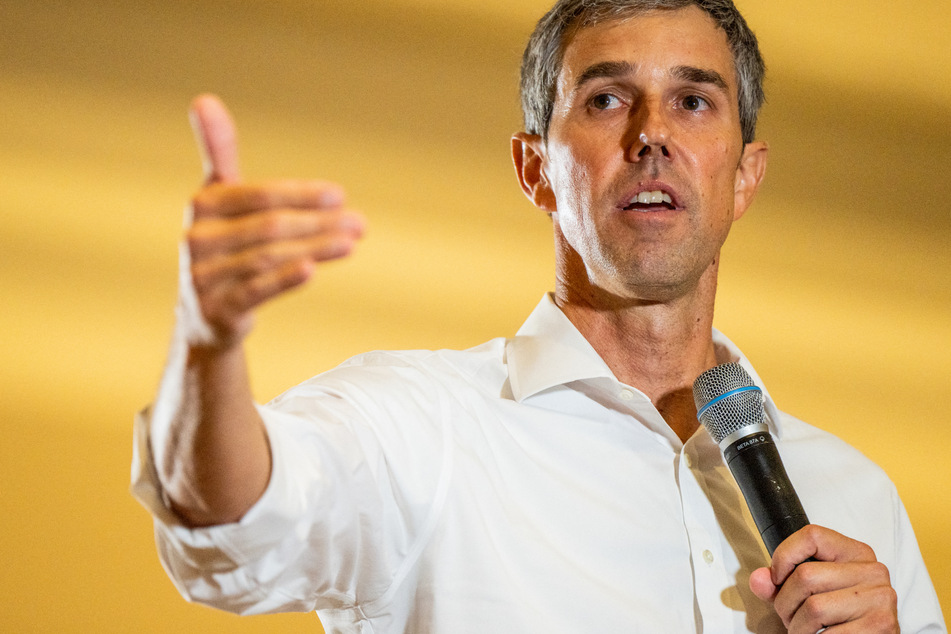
(654, 42)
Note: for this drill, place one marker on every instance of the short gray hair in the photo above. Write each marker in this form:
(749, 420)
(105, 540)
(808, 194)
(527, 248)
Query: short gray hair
(541, 62)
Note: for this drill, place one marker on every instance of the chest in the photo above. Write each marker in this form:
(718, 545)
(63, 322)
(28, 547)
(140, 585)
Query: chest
(581, 518)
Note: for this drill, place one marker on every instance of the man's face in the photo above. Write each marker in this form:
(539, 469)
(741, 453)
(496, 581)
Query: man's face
(645, 105)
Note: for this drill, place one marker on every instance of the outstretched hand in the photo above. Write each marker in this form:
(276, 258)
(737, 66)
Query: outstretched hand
(845, 589)
(250, 242)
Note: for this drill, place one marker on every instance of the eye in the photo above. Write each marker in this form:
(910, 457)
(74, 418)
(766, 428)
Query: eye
(694, 103)
(605, 101)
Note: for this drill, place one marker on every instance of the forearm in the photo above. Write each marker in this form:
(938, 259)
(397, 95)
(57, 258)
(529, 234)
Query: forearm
(217, 462)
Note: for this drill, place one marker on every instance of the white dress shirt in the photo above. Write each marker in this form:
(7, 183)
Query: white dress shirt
(514, 487)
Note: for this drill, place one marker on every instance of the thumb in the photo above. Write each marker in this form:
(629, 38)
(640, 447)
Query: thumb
(761, 583)
(216, 137)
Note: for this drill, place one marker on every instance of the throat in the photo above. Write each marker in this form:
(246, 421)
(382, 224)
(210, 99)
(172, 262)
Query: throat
(679, 412)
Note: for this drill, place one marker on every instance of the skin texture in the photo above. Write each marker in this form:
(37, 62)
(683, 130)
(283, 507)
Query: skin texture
(642, 104)
(846, 590)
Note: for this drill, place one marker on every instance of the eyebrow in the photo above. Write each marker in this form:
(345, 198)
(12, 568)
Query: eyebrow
(617, 69)
(604, 69)
(700, 76)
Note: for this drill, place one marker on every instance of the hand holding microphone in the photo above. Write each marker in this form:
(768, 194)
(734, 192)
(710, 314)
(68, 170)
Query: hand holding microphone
(818, 577)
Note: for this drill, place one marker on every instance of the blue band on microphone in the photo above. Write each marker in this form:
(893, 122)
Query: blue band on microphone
(738, 390)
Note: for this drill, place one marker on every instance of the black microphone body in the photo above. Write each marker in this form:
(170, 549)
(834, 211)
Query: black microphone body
(730, 406)
(759, 472)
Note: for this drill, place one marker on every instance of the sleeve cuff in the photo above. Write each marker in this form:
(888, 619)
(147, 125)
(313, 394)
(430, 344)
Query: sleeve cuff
(264, 524)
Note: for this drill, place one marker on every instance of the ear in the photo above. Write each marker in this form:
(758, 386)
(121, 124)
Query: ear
(749, 174)
(528, 155)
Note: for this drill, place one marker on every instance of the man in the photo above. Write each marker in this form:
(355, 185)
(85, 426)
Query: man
(556, 481)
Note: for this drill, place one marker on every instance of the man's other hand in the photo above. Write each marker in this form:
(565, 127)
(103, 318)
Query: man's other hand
(249, 242)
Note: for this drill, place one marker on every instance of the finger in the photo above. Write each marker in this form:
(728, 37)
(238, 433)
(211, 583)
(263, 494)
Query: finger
(864, 609)
(228, 309)
(761, 584)
(226, 269)
(819, 543)
(239, 199)
(219, 236)
(817, 587)
(216, 137)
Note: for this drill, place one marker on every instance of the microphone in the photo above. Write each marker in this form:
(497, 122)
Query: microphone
(730, 406)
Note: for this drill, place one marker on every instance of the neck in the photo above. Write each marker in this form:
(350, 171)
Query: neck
(657, 346)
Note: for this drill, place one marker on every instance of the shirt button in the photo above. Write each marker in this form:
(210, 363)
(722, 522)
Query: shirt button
(626, 395)
(708, 557)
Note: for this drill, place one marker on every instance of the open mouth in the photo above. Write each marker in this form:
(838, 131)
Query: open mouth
(650, 201)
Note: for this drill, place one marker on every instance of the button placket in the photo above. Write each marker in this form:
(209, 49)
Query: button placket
(710, 575)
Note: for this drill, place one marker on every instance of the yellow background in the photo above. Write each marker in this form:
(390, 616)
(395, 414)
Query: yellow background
(835, 285)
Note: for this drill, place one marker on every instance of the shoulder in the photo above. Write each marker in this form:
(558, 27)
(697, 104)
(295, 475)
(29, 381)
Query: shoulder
(460, 361)
(819, 455)
(839, 486)
(823, 447)
(387, 377)
(483, 364)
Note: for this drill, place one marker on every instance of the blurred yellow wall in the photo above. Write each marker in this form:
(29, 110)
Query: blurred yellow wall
(836, 284)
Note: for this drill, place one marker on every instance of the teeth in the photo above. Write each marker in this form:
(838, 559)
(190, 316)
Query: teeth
(647, 198)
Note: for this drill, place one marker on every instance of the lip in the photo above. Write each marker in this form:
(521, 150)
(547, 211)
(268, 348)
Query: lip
(624, 203)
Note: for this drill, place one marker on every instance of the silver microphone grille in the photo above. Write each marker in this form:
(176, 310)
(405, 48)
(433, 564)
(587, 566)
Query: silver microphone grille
(727, 400)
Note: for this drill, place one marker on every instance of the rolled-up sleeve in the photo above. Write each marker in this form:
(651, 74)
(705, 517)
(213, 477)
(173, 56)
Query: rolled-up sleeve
(351, 488)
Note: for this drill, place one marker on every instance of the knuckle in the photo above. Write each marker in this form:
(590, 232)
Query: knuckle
(203, 242)
(812, 532)
(271, 226)
(886, 596)
(260, 198)
(809, 576)
(883, 621)
(204, 276)
(813, 608)
(263, 260)
(881, 572)
(205, 202)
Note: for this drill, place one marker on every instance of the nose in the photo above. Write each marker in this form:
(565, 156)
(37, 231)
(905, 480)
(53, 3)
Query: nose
(653, 132)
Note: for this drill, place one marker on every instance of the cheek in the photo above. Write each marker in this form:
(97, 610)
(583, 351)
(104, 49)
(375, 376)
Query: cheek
(721, 165)
(570, 180)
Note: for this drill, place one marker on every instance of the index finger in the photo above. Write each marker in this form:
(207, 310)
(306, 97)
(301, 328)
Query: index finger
(217, 139)
(247, 198)
(822, 544)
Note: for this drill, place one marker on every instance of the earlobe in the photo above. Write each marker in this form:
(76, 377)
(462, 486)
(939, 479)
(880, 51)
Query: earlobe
(749, 175)
(528, 156)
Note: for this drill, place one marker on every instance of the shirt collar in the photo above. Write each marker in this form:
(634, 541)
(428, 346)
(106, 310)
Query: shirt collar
(549, 351)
